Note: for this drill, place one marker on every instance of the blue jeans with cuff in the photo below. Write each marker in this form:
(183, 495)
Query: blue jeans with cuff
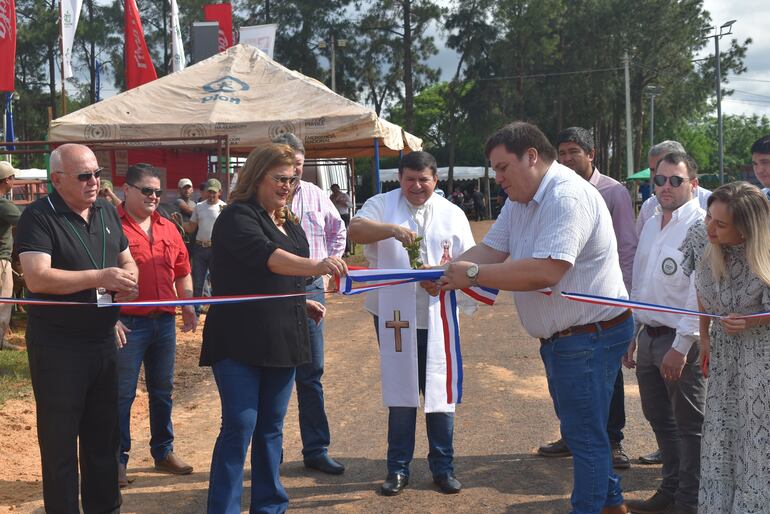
(152, 341)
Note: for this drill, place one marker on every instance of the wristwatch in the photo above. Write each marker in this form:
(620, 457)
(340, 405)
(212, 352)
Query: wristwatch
(473, 274)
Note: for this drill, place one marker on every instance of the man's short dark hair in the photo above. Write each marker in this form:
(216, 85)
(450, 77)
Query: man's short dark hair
(761, 145)
(136, 172)
(677, 158)
(291, 140)
(418, 161)
(577, 135)
(520, 136)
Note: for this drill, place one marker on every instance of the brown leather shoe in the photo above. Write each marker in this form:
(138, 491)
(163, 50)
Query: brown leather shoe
(174, 465)
(616, 509)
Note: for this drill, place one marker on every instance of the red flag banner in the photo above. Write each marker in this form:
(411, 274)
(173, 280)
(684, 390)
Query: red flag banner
(139, 67)
(223, 13)
(7, 44)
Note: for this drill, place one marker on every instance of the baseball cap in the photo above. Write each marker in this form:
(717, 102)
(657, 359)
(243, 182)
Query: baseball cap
(213, 184)
(6, 170)
(105, 184)
(184, 183)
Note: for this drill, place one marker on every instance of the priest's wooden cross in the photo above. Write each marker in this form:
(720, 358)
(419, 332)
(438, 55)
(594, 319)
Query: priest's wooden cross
(396, 324)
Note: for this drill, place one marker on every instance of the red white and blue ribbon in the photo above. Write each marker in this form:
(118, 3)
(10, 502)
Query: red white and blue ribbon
(454, 359)
(207, 300)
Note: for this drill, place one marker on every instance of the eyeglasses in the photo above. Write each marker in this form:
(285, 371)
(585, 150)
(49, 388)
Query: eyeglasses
(675, 181)
(285, 180)
(86, 175)
(148, 191)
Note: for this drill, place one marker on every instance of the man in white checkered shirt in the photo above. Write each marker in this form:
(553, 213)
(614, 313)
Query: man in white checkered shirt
(556, 232)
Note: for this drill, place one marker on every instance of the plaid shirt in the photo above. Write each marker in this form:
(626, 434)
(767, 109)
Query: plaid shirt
(320, 220)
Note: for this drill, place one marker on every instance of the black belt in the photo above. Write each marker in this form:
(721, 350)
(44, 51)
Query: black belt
(659, 331)
(590, 328)
(309, 280)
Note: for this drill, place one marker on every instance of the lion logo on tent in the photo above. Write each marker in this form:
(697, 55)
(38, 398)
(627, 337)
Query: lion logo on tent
(226, 84)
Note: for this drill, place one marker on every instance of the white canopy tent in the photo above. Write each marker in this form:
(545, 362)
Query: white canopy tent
(243, 94)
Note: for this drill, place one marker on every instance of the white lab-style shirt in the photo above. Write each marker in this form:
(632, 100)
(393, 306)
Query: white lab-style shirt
(659, 277)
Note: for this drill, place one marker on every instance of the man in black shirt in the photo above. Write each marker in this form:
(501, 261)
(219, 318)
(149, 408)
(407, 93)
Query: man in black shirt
(72, 248)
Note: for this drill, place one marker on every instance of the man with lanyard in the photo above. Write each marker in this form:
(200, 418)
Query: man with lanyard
(326, 234)
(9, 217)
(649, 207)
(202, 219)
(164, 274)
(72, 248)
(556, 232)
(385, 224)
(671, 384)
(760, 161)
(577, 151)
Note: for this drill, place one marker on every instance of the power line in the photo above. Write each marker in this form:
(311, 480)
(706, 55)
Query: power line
(555, 74)
(750, 93)
(748, 79)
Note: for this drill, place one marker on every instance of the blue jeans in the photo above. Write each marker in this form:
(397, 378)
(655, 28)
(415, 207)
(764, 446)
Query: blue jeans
(582, 371)
(201, 259)
(152, 341)
(254, 402)
(402, 423)
(313, 425)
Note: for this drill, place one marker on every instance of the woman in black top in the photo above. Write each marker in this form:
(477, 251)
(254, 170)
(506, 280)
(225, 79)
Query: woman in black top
(253, 348)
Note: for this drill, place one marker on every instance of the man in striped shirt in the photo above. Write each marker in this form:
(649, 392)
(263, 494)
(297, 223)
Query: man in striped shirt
(326, 234)
(556, 232)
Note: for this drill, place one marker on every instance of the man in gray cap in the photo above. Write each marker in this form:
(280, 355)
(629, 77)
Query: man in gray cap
(203, 217)
(9, 217)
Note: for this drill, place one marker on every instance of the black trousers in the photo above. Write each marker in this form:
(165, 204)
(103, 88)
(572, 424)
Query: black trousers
(76, 393)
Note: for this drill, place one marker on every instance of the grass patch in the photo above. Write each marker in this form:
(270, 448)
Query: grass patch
(14, 375)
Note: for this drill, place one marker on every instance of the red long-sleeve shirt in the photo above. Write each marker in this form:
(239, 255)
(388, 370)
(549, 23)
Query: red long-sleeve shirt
(160, 263)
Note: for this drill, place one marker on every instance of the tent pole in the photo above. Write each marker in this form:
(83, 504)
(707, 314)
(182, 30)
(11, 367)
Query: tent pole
(377, 183)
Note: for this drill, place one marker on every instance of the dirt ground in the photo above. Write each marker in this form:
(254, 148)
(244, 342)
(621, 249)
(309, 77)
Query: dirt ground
(506, 413)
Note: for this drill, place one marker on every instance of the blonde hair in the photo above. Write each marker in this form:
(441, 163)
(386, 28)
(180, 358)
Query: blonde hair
(750, 210)
(260, 161)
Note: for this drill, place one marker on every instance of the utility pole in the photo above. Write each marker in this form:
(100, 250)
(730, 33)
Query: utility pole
(629, 132)
(724, 30)
(652, 92)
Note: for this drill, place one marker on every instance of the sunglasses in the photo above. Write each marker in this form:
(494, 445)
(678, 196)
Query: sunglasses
(285, 180)
(675, 181)
(86, 175)
(148, 191)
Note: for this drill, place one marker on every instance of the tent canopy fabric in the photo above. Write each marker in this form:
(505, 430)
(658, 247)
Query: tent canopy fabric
(641, 175)
(243, 94)
(460, 173)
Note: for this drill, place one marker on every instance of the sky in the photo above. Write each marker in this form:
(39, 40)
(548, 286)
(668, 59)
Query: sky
(752, 89)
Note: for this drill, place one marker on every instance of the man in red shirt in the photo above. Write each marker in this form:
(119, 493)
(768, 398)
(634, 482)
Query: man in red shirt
(164, 274)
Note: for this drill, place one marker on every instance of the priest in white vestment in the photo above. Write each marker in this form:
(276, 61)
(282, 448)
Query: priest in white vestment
(407, 320)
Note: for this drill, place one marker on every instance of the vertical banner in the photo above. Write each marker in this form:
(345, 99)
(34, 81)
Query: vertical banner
(222, 13)
(70, 15)
(260, 36)
(139, 67)
(7, 44)
(177, 48)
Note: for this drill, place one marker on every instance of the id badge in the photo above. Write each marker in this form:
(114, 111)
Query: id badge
(103, 297)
